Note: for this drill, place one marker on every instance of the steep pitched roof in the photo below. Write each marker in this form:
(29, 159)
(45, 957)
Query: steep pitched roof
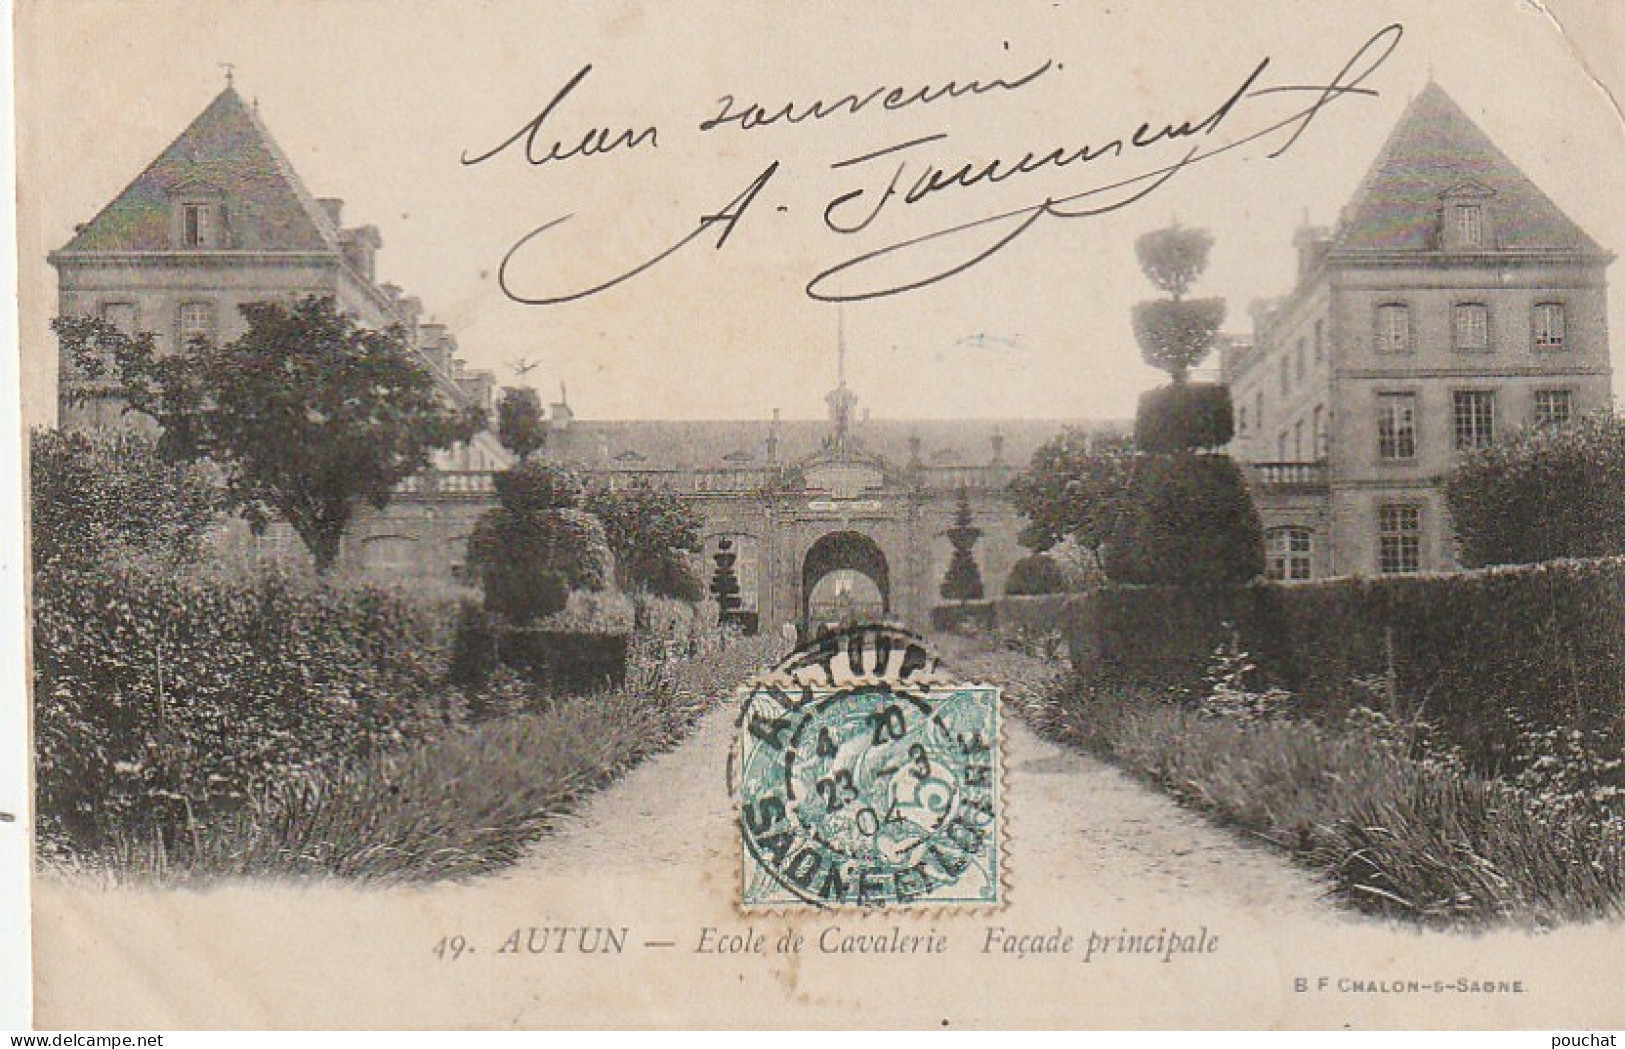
(1436, 148)
(226, 151)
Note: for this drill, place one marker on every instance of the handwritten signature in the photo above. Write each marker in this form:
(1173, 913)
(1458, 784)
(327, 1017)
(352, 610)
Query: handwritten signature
(1171, 149)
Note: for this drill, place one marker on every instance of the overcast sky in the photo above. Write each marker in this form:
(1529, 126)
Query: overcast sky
(377, 102)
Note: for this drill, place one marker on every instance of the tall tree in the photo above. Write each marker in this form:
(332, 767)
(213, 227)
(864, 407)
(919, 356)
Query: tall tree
(1175, 333)
(308, 414)
(963, 580)
(1074, 488)
(653, 534)
(520, 426)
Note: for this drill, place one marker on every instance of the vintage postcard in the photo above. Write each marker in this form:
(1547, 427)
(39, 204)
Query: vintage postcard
(735, 514)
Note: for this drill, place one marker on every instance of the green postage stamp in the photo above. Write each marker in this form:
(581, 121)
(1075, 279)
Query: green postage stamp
(866, 778)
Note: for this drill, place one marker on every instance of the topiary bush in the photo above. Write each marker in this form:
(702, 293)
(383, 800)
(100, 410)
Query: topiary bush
(1190, 521)
(535, 547)
(1184, 417)
(1036, 574)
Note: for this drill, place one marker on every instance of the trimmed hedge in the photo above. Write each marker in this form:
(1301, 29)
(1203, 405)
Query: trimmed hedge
(160, 698)
(1040, 614)
(1474, 652)
(964, 617)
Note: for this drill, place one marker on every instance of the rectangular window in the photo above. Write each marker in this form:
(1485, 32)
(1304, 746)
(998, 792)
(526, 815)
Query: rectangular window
(1297, 441)
(195, 231)
(120, 315)
(1553, 407)
(1286, 375)
(1302, 360)
(1396, 426)
(1393, 328)
(1472, 327)
(1474, 418)
(1258, 409)
(196, 321)
(1320, 341)
(1241, 420)
(1290, 550)
(1399, 538)
(1320, 432)
(1469, 225)
(1548, 326)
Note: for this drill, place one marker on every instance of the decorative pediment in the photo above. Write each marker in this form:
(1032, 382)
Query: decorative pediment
(1467, 189)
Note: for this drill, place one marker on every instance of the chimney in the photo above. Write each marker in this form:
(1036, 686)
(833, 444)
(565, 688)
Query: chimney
(1312, 243)
(335, 210)
(773, 439)
(561, 413)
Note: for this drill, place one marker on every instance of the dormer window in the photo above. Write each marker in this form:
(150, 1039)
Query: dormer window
(1469, 225)
(1466, 222)
(197, 219)
(195, 232)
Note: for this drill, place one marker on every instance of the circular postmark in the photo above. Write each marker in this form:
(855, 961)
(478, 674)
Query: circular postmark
(866, 777)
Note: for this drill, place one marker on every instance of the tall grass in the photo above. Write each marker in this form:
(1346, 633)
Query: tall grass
(1397, 822)
(467, 803)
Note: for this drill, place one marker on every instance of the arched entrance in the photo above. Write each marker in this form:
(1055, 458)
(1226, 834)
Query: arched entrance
(844, 577)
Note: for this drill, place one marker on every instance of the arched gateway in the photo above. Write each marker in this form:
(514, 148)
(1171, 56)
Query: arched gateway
(844, 577)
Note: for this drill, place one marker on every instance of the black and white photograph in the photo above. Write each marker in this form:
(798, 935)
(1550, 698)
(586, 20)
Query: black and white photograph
(635, 515)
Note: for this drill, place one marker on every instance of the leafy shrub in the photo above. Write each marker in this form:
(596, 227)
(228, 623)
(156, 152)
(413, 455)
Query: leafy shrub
(471, 801)
(1189, 521)
(160, 699)
(1546, 493)
(1231, 691)
(1073, 489)
(1183, 417)
(1035, 574)
(98, 496)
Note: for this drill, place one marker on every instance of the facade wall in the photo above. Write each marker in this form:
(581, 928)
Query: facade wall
(1343, 299)
(1509, 370)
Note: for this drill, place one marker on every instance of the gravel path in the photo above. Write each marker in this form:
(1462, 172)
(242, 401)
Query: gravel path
(652, 864)
(1076, 826)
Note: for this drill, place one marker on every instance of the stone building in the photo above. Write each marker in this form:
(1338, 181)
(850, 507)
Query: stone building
(220, 219)
(812, 516)
(1452, 303)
